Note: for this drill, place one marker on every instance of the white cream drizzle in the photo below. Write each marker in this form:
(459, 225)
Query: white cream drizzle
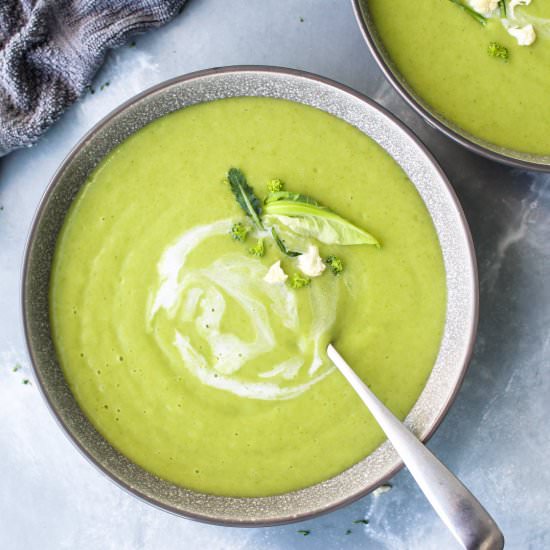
(198, 299)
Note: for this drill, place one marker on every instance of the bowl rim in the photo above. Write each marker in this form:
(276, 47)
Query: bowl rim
(391, 75)
(43, 204)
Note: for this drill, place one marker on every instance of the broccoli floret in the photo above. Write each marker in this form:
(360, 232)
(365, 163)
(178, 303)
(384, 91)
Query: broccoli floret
(497, 50)
(334, 264)
(240, 231)
(258, 250)
(297, 280)
(274, 186)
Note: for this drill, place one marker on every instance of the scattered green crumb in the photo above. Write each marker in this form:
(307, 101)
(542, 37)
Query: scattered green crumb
(363, 521)
(498, 50)
(16, 368)
(302, 19)
(1, 208)
(258, 250)
(296, 280)
(26, 381)
(335, 264)
(304, 532)
(132, 44)
(274, 186)
(348, 532)
(104, 85)
(240, 232)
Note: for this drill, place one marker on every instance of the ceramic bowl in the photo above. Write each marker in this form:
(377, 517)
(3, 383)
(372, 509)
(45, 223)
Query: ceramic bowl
(369, 118)
(455, 132)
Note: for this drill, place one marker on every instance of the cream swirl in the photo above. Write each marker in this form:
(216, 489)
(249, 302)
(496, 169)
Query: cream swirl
(233, 330)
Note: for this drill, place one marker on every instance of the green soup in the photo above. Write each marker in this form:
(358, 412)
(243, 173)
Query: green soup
(442, 53)
(180, 353)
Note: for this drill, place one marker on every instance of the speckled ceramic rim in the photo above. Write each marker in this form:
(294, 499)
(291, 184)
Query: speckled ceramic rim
(402, 145)
(479, 146)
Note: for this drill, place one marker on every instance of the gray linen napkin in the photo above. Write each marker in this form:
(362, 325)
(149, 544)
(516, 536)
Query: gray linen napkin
(50, 51)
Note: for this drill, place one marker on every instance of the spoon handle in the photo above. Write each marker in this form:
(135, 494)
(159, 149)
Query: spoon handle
(461, 512)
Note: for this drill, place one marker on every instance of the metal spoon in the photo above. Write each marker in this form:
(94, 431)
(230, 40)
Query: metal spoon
(461, 512)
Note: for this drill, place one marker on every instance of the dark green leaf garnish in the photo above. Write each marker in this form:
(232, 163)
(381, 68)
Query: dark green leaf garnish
(245, 196)
(304, 532)
(363, 521)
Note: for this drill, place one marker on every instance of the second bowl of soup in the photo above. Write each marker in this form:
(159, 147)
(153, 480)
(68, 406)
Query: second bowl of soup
(476, 69)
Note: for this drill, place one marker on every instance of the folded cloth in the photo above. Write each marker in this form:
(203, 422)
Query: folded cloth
(50, 51)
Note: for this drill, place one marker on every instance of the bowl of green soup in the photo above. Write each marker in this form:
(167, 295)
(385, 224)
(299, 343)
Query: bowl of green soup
(475, 69)
(191, 260)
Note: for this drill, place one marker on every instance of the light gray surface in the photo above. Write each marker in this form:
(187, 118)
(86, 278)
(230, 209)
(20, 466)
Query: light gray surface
(496, 437)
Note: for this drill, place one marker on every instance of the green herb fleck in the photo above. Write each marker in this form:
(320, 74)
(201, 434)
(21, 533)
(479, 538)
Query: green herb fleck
(304, 532)
(16, 368)
(104, 85)
(245, 196)
(297, 280)
(132, 44)
(274, 186)
(281, 244)
(363, 521)
(26, 381)
(1, 208)
(497, 50)
(302, 19)
(348, 532)
(240, 232)
(258, 250)
(334, 264)
(472, 13)
(502, 8)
